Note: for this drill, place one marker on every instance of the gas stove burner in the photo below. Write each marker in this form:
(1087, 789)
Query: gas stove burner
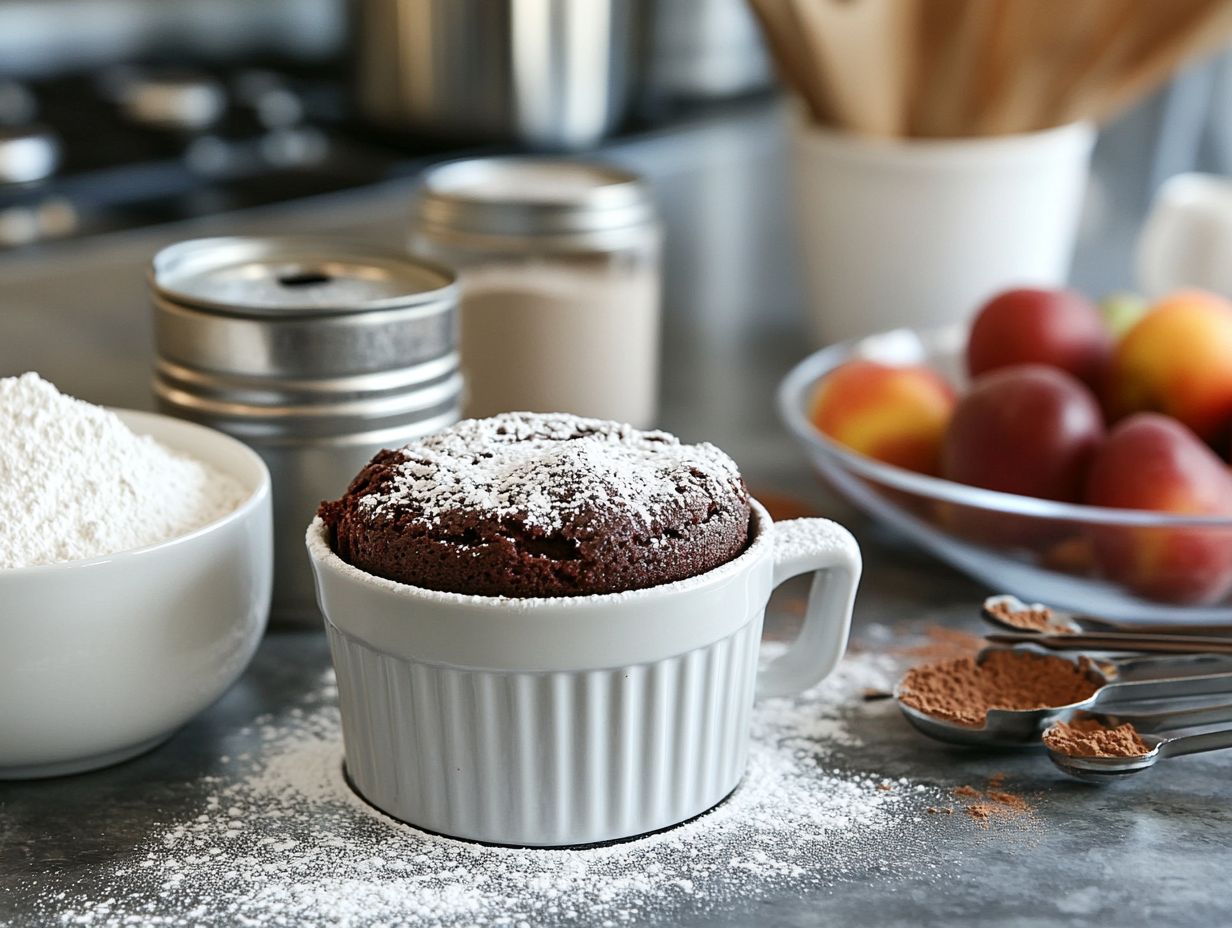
(175, 102)
(18, 106)
(28, 155)
(267, 95)
(152, 142)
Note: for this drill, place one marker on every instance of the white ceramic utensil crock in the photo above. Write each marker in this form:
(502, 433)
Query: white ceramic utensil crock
(572, 720)
(102, 659)
(920, 232)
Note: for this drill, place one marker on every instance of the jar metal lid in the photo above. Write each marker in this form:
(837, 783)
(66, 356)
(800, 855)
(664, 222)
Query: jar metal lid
(293, 277)
(286, 310)
(530, 196)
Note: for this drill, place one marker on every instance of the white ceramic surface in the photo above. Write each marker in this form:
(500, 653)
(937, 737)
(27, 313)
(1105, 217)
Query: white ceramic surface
(104, 658)
(1187, 238)
(920, 232)
(572, 720)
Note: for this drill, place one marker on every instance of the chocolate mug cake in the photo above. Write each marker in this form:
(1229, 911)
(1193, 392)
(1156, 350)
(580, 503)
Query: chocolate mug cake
(546, 630)
(529, 505)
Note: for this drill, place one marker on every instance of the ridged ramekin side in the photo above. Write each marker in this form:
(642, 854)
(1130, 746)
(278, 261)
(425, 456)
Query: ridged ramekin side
(547, 759)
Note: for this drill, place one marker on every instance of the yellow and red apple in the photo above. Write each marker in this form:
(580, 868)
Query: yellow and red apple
(894, 414)
(1177, 360)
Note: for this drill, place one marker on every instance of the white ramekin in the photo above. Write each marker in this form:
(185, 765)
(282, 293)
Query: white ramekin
(573, 720)
(102, 659)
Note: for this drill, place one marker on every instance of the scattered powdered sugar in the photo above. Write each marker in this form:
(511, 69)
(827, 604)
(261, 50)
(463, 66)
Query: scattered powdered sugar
(538, 469)
(281, 840)
(76, 483)
(811, 538)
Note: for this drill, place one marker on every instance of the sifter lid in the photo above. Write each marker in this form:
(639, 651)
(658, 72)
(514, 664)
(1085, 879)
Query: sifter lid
(531, 196)
(294, 277)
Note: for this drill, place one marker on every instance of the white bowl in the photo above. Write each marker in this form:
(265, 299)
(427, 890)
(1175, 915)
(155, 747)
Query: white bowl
(578, 719)
(102, 659)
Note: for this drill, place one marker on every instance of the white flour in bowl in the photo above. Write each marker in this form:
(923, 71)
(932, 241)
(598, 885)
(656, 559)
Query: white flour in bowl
(76, 483)
(280, 840)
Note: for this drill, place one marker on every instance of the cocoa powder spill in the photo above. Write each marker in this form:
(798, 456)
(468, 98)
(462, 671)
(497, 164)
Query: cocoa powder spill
(962, 691)
(1088, 737)
(1034, 618)
(990, 804)
(941, 644)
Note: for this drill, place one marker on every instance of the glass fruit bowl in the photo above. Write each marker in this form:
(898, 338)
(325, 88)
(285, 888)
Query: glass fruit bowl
(1114, 563)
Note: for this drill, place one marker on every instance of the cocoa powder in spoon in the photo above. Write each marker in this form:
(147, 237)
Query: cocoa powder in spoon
(1088, 737)
(963, 690)
(1033, 618)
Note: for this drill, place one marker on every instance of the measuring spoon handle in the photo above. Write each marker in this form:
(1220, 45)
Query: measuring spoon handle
(1158, 667)
(1092, 624)
(1168, 719)
(1201, 685)
(1156, 644)
(1197, 744)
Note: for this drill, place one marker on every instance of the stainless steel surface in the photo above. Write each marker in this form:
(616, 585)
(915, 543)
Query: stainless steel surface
(1165, 666)
(286, 277)
(550, 74)
(27, 155)
(316, 354)
(1153, 721)
(521, 204)
(1088, 623)
(1023, 727)
(1117, 641)
(700, 49)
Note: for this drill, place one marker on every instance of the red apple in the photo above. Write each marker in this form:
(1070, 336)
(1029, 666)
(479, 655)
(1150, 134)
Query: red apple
(1028, 429)
(1059, 328)
(894, 414)
(1155, 463)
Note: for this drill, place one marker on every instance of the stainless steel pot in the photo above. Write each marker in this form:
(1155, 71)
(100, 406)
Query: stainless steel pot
(549, 74)
(317, 355)
(700, 50)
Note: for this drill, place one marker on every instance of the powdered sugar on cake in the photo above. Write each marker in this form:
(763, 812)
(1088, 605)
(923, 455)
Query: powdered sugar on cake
(539, 470)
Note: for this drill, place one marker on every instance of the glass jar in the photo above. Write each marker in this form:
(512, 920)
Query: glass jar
(559, 268)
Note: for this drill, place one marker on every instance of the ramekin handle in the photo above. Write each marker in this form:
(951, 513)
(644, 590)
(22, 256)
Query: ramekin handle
(828, 551)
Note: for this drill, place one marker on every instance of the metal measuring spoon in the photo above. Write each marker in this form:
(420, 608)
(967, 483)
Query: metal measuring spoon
(994, 607)
(1022, 727)
(994, 610)
(1159, 666)
(1110, 769)
(1116, 641)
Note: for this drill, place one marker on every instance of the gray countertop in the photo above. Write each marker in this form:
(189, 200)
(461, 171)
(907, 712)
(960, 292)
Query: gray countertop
(1153, 851)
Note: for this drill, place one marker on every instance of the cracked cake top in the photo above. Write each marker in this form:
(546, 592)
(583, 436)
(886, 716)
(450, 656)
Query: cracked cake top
(542, 505)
